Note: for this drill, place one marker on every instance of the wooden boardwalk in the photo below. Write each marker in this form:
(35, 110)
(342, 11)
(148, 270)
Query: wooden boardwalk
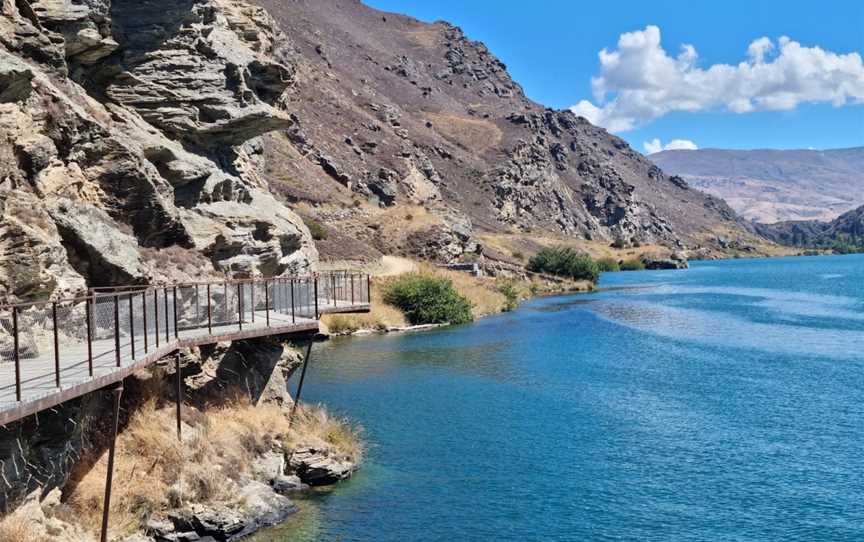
(52, 352)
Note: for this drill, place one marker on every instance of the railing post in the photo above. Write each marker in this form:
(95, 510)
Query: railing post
(267, 302)
(368, 288)
(167, 312)
(132, 324)
(156, 313)
(293, 316)
(197, 307)
(88, 313)
(144, 309)
(316, 296)
(252, 300)
(240, 305)
(352, 289)
(176, 330)
(333, 287)
(210, 312)
(16, 353)
(117, 328)
(56, 345)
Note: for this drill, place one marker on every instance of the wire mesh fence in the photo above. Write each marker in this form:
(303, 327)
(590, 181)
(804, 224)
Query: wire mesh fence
(49, 346)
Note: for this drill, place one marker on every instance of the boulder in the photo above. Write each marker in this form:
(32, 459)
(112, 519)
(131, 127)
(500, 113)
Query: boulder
(319, 466)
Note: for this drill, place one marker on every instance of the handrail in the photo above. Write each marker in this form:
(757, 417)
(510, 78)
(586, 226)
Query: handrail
(57, 338)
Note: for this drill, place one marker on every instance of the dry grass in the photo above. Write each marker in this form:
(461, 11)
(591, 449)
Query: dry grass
(17, 529)
(472, 134)
(313, 425)
(156, 472)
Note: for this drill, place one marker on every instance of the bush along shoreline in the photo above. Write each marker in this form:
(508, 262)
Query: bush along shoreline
(240, 461)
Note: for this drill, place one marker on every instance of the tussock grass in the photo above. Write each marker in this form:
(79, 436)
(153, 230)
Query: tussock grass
(17, 529)
(154, 471)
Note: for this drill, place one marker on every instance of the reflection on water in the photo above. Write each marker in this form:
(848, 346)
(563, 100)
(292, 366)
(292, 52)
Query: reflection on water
(721, 329)
(717, 403)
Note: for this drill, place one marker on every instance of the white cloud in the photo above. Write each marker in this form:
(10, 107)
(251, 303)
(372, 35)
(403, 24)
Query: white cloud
(639, 81)
(675, 145)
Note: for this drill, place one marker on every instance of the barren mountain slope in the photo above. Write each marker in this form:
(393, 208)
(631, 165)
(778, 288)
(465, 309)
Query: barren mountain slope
(775, 185)
(411, 138)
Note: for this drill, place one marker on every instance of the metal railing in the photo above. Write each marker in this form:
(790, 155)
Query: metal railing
(50, 345)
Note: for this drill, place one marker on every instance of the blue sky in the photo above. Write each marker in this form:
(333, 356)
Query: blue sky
(551, 47)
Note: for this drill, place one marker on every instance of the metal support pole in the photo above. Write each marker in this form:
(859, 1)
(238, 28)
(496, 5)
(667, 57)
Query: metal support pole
(156, 313)
(252, 300)
(300, 384)
(167, 325)
(267, 303)
(352, 289)
(333, 287)
(240, 305)
(16, 353)
(293, 315)
(117, 328)
(144, 309)
(197, 307)
(179, 397)
(89, 315)
(56, 345)
(209, 313)
(316, 297)
(176, 330)
(368, 288)
(106, 506)
(132, 325)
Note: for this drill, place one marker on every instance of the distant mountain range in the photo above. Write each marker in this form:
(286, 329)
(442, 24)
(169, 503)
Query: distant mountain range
(774, 185)
(843, 234)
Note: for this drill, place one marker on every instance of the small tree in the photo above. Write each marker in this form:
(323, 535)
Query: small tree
(428, 300)
(565, 262)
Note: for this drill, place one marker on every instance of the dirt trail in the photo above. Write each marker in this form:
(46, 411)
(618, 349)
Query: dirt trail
(394, 265)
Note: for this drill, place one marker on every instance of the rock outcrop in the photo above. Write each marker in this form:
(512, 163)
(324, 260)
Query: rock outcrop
(125, 126)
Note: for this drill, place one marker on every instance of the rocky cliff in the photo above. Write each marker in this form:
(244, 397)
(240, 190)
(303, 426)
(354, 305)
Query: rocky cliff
(128, 141)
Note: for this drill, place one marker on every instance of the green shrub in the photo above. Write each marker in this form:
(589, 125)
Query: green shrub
(565, 262)
(633, 264)
(511, 295)
(608, 264)
(619, 243)
(428, 300)
(318, 231)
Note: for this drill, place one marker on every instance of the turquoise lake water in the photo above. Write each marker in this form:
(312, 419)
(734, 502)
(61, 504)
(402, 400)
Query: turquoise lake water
(724, 402)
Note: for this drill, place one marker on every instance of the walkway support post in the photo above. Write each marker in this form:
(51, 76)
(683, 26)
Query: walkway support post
(300, 384)
(179, 397)
(106, 505)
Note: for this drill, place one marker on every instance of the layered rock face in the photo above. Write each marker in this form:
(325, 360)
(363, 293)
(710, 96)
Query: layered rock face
(418, 120)
(129, 127)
